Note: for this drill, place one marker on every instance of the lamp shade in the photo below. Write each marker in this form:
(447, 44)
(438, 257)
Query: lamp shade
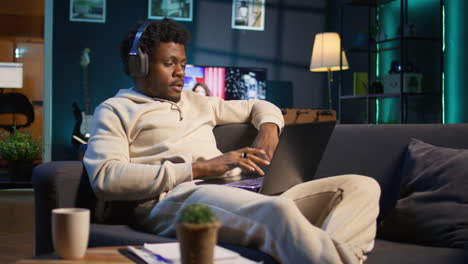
(326, 53)
(11, 75)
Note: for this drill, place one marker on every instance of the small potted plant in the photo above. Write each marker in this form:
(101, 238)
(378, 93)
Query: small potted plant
(197, 233)
(20, 150)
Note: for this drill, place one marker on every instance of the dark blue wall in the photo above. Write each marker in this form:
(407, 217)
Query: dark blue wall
(284, 48)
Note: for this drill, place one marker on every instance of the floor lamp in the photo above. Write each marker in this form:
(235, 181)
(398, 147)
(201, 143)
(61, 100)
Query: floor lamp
(326, 57)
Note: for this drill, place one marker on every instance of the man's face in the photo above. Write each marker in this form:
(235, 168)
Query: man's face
(165, 79)
(200, 90)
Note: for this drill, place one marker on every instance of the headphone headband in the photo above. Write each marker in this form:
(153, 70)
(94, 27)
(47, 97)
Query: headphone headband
(138, 62)
(136, 40)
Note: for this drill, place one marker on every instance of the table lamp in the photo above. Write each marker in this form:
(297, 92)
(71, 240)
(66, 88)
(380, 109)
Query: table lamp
(326, 57)
(11, 75)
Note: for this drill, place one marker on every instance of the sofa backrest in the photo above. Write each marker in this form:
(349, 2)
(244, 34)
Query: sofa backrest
(378, 151)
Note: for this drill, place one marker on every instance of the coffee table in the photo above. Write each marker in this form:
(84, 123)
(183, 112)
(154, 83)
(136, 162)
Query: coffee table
(93, 255)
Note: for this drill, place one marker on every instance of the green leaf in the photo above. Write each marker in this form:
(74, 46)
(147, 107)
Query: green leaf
(196, 213)
(19, 146)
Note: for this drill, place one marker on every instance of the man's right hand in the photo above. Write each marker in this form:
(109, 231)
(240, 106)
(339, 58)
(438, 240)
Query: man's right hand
(247, 158)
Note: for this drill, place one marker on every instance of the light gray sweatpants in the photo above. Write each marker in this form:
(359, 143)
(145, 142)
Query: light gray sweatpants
(330, 220)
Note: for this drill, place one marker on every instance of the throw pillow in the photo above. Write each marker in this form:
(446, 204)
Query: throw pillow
(433, 205)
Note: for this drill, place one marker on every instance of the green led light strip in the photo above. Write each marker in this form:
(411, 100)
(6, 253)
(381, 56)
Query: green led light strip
(377, 67)
(377, 110)
(377, 56)
(443, 98)
(443, 73)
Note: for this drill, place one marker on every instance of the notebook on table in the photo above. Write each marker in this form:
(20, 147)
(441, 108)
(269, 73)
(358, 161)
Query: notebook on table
(296, 159)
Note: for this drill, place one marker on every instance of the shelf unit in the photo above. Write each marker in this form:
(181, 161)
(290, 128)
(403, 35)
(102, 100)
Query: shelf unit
(404, 43)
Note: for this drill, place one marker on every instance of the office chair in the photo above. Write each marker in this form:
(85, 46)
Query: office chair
(16, 104)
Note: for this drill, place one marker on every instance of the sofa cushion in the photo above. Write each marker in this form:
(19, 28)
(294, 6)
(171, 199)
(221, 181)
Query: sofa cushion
(433, 205)
(388, 252)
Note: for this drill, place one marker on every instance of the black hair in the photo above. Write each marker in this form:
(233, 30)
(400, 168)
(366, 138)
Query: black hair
(204, 86)
(165, 30)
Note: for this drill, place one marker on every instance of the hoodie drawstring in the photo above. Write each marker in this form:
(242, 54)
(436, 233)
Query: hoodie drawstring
(174, 106)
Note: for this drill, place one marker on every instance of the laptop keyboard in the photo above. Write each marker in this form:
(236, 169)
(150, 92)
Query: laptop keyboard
(253, 184)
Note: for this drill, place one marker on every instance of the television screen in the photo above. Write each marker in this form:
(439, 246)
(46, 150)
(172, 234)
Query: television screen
(230, 83)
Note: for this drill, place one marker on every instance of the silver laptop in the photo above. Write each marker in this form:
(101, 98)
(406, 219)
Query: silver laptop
(296, 159)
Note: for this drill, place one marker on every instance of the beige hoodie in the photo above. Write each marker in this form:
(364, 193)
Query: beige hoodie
(141, 147)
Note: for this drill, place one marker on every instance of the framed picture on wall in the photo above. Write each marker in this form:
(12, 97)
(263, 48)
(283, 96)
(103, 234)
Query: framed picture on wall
(248, 14)
(88, 11)
(176, 9)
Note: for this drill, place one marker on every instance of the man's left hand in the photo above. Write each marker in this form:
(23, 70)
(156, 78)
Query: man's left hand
(267, 139)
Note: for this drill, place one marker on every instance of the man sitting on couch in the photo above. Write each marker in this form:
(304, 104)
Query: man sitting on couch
(151, 141)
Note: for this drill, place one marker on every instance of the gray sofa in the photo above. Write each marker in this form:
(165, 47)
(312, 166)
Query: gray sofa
(374, 150)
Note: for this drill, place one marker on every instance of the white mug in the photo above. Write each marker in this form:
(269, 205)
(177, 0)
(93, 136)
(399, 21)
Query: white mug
(70, 232)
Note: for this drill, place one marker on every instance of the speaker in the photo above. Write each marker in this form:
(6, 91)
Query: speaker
(138, 62)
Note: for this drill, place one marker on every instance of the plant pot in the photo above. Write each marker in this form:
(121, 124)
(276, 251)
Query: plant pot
(20, 170)
(197, 242)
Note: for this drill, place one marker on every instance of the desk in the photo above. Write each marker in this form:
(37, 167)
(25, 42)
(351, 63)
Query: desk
(7, 183)
(93, 255)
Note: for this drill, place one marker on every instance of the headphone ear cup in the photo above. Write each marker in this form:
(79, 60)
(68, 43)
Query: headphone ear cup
(144, 63)
(131, 61)
(138, 64)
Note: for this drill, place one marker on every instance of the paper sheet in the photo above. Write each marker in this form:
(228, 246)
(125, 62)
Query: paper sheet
(221, 255)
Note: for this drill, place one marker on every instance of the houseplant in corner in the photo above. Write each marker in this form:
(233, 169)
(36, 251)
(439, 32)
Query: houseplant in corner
(20, 150)
(197, 233)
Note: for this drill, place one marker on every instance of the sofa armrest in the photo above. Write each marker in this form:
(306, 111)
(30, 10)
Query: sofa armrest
(58, 184)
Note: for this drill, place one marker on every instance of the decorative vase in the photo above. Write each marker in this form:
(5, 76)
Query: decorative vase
(197, 242)
(20, 170)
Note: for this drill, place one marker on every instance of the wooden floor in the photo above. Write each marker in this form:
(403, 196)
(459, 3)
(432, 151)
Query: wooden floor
(16, 224)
